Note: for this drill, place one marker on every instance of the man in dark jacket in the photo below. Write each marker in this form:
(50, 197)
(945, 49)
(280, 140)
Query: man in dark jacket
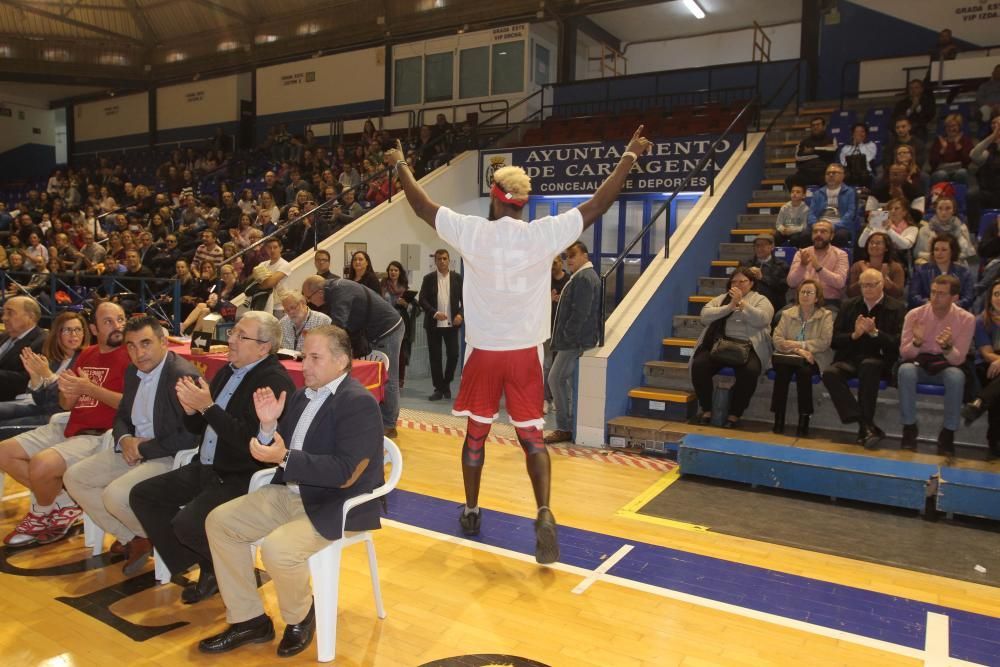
(866, 342)
(21, 330)
(441, 300)
(145, 435)
(328, 449)
(357, 309)
(172, 506)
(577, 327)
(771, 272)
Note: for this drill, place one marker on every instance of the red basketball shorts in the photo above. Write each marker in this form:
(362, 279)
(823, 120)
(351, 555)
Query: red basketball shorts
(514, 374)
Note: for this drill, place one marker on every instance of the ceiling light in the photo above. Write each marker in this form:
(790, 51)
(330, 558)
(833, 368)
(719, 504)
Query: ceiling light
(265, 39)
(229, 45)
(307, 29)
(175, 56)
(693, 7)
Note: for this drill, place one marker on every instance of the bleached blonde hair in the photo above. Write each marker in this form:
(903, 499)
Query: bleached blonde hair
(513, 181)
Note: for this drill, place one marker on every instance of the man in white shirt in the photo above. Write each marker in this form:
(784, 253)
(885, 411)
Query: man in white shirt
(506, 292)
(272, 273)
(441, 300)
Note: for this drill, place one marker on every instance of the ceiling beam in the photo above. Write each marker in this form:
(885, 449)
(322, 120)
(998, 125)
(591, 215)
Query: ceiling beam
(29, 9)
(597, 33)
(222, 9)
(149, 35)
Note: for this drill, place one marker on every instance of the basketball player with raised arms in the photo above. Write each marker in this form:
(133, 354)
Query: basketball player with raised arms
(507, 306)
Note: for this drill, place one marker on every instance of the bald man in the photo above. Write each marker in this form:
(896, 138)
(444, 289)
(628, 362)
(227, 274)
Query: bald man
(21, 330)
(507, 316)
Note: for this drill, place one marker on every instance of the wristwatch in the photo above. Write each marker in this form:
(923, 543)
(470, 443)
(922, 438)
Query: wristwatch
(285, 459)
(873, 333)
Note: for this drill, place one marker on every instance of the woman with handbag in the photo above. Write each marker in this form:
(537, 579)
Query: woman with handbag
(802, 350)
(737, 337)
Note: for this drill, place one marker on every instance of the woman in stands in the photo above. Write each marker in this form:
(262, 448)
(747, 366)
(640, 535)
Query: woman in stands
(206, 292)
(269, 213)
(394, 289)
(67, 336)
(946, 222)
(158, 228)
(900, 228)
(740, 316)
(987, 344)
(368, 132)
(915, 177)
(105, 201)
(879, 255)
(246, 202)
(802, 350)
(361, 271)
(188, 286)
(241, 235)
(36, 255)
(950, 154)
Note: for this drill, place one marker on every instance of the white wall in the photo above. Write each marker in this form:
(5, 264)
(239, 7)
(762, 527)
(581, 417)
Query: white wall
(715, 49)
(969, 20)
(207, 102)
(316, 83)
(113, 117)
(20, 127)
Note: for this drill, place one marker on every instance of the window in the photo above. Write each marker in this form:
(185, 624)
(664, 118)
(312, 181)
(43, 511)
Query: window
(438, 78)
(474, 72)
(508, 68)
(543, 73)
(407, 80)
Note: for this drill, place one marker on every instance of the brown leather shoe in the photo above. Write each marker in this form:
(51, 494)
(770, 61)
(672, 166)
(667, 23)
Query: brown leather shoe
(138, 550)
(117, 548)
(558, 436)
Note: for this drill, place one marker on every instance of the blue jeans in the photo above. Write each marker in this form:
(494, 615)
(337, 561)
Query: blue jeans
(951, 378)
(564, 366)
(390, 404)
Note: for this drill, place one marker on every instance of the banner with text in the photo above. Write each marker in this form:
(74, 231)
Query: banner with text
(581, 168)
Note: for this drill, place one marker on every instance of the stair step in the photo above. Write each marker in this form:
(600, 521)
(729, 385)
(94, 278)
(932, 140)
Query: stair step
(757, 221)
(722, 268)
(659, 403)
(678, 349)
(771, 194)
(748, 234)
(770, 182)
(696, 302)
(787, 162)
(671, 375)
(783, 152)
(765, 207)
(654, 435)
(711, 286)
(737, 251)
(779, 172)
(687, 326)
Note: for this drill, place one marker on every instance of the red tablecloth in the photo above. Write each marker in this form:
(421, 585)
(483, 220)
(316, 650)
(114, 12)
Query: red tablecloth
(368, 373)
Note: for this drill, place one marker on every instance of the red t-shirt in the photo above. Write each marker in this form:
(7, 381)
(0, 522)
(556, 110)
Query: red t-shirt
(106, 370)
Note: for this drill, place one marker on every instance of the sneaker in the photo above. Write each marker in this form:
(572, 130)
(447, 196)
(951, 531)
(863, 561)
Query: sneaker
(28, 530)
(971, 412)
(60, 521)
(546, 541)
(470, 522)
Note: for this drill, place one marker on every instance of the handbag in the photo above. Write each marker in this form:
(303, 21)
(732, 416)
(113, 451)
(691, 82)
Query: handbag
(788, 360)
(730, 351)
(932, 363)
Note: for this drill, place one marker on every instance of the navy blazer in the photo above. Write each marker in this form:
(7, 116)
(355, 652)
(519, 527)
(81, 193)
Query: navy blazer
(168, 415)
(346, 430)
(13, 377)
(428, 297)
(238, 422)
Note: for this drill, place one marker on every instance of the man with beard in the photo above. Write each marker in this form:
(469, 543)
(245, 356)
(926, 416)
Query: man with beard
(508, 303)
(91, 391)
(824, 263)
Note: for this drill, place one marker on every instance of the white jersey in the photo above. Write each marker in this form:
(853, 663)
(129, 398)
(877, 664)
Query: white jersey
(506, 288)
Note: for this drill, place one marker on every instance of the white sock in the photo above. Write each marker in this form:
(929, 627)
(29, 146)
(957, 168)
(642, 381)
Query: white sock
(470, 510)
(63, 500)
(43, 509)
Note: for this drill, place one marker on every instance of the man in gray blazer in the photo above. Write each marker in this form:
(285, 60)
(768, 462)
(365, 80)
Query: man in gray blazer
(576, 329)
(21, 330)
(148, 432)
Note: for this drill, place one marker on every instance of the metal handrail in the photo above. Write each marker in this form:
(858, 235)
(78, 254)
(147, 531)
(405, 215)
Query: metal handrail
(666, 101)
(747, 109)
(454, 107)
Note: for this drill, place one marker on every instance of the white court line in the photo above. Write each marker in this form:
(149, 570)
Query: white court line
(736, 610)
(936, 647)
(14, 496)
(602, 569)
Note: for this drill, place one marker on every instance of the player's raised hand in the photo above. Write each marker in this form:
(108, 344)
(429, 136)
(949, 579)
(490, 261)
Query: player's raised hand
(639, 144)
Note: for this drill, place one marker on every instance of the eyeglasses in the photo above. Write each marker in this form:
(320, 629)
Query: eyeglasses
(72, 330)
(243, 338)
(807, 292)
(311, 294)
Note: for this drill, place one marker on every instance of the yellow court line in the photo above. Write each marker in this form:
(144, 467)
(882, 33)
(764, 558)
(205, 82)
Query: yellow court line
(631, 509)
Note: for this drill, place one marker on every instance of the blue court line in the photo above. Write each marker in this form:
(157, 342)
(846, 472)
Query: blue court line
(898, 620)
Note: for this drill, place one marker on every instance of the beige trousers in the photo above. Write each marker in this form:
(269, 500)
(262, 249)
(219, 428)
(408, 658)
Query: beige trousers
(275, 514)
(101, 483)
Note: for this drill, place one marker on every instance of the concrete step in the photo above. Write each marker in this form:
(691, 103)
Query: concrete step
(786, 162)
(667, 375)
(748, 235)
(643, 433)
(765, 207)
(722, 268)
(756, 220)
(773, 183)
(687, 326)
(781, 152)
(778, 172)
(737, 251)
(771, 194)
(660, 403)
(711, 286)
(678, 349)
(696, 302)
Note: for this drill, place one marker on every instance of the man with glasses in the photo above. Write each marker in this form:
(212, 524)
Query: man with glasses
(935, 343)
(172, 507)
(866, 346)
(837, 203)
(823, 263)
(321, 260)
(298, 319)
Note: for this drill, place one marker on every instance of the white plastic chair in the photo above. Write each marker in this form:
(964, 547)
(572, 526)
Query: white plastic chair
(379, 356)
(324, 565)
(160, 571)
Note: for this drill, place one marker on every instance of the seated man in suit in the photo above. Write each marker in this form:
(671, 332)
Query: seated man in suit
(21, 330)
(328, 448)
(441, 300)
(145, 436)
(172, 507)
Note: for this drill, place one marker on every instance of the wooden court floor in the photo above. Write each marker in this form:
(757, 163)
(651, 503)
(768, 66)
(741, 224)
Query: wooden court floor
(447, 597)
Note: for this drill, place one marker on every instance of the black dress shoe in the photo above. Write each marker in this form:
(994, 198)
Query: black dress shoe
(207, 586)
(731, 423)
(258, 630)
(779, 423)
(298, 636)
(909, 439)
(436, 396)
(802, 430)
(446, 393)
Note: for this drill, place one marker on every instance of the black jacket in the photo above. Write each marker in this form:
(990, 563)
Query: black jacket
(167, 410)
(238, 423)
(428, 297)
(346, 430)
(345, 301)
(888, 313)
(773, 282)
(578, 315)
(13, 377)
